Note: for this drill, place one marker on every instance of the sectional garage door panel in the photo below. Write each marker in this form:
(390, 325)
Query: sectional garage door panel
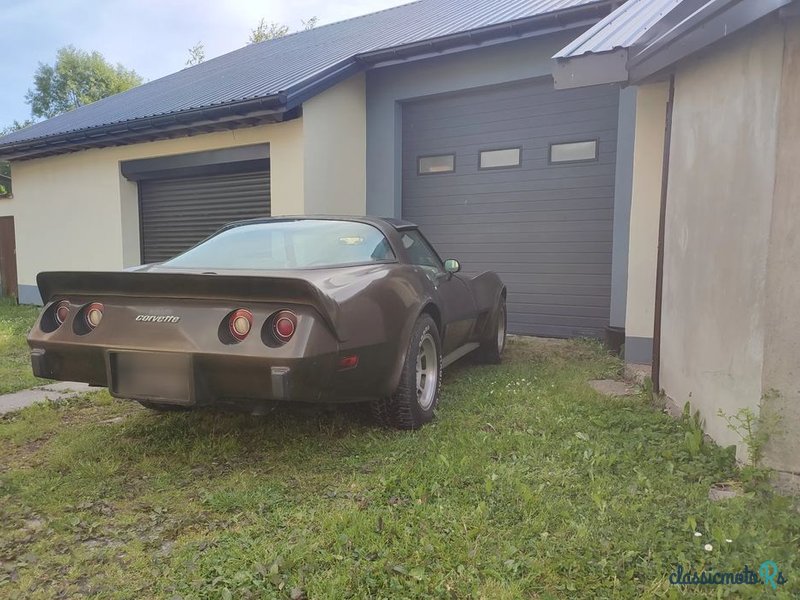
(545, 227)
(175, 214)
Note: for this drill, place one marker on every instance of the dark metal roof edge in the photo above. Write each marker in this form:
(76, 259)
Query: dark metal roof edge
(695, 35)
(664, 45)
(135, 128)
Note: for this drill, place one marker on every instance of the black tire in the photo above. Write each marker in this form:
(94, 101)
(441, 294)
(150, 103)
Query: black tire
(159, 407)
(491, 349)
(407, 408)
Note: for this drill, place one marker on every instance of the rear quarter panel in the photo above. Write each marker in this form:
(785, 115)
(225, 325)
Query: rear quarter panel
(377, 309)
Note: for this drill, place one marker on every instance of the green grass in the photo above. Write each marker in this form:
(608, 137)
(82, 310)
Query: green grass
(15, 364)
(529, 485)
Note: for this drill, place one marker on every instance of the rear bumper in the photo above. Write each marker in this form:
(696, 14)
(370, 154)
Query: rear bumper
(213, 378)
(210, 378)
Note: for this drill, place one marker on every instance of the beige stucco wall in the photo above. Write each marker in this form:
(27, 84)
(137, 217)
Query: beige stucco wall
(335, 149)
(76, 211)
(720, 230)
(651, 106)
(781, 372)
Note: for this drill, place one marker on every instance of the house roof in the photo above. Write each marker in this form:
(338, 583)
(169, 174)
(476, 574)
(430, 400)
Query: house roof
(643, 37)
(265, 80)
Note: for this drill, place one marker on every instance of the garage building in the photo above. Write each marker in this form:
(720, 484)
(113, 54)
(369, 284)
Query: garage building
(440, 112)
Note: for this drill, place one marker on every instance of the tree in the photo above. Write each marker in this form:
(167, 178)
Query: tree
(270, 31)
(267, 31)
(5, 167)
(77, 78)
(197, 54)
(5, 179)
(16, 126)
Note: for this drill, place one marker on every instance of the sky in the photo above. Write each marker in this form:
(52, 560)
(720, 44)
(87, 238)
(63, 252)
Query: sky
(152, 37)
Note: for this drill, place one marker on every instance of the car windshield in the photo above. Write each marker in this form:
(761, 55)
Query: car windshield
(288, 245)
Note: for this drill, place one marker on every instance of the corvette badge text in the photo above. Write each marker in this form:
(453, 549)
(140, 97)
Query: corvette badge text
(768, 574)
(158, 318)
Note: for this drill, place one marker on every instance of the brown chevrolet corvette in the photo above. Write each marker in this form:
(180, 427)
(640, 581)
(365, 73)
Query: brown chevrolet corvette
(319, 309)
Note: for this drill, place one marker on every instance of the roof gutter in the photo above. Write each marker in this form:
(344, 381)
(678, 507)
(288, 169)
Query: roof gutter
(585, 15)
(223, 116)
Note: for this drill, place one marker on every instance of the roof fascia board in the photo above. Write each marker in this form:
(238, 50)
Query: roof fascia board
(591, 69)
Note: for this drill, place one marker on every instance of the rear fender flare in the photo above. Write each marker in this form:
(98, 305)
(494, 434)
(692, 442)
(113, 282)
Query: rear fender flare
(488, 289)
(405, 339)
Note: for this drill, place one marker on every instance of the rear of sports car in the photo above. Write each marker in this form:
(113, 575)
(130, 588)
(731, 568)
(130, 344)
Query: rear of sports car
(194, 339)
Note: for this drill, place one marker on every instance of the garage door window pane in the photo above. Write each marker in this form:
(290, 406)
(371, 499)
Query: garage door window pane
(442, 163)
(500, 159)
(573, 151)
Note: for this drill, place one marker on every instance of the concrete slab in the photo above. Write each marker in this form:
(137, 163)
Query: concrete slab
(611, 387)
(637, 372)
(52, 391)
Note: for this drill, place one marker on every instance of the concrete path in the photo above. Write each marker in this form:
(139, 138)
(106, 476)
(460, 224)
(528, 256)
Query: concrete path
(52, 391)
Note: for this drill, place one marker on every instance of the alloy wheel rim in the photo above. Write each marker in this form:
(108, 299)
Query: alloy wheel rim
(427, 371)
(501, 330)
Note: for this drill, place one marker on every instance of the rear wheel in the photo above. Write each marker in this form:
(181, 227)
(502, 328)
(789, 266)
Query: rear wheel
(491, 349)
(413, 403)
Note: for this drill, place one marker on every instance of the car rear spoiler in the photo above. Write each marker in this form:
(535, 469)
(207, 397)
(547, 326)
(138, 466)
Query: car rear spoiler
(235, 288)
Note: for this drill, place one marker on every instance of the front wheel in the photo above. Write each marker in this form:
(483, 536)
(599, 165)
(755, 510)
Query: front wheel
(413, 403)
(491, 349)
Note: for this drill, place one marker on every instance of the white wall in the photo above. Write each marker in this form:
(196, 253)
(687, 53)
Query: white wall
(718, 223)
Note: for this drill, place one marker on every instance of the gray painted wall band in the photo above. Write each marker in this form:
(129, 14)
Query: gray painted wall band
(639, 350)
(623, 191)
(29, 294)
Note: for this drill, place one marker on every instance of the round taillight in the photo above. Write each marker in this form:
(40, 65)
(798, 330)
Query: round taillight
(61, 312)
(93, 315)
(283, 325)
(240, 323)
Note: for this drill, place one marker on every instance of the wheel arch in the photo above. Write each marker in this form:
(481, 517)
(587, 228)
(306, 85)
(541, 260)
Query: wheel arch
(430, 308)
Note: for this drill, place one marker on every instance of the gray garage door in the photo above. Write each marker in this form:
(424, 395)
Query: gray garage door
(539, 211)
(175, 214)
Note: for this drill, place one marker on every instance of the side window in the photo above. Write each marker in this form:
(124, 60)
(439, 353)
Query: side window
(419, 251)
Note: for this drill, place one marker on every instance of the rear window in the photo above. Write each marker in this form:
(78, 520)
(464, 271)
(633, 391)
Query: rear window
(288, 245)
